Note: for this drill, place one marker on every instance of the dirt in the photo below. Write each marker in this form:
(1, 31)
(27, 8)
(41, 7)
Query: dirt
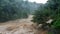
(20, 26)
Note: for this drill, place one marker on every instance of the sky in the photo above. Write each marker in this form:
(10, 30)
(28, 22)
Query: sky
(38, 1)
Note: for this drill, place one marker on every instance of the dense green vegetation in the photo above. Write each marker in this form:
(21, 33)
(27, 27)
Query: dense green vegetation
(17, 9)
(50, 10)
(14, 9)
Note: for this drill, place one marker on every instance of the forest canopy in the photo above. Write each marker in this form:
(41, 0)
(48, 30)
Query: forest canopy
(50, 10)
(14, 9)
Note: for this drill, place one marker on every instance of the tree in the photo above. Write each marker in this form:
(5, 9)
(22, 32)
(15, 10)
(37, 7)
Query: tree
(49, 11)
(9, 10)
(15, 9)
